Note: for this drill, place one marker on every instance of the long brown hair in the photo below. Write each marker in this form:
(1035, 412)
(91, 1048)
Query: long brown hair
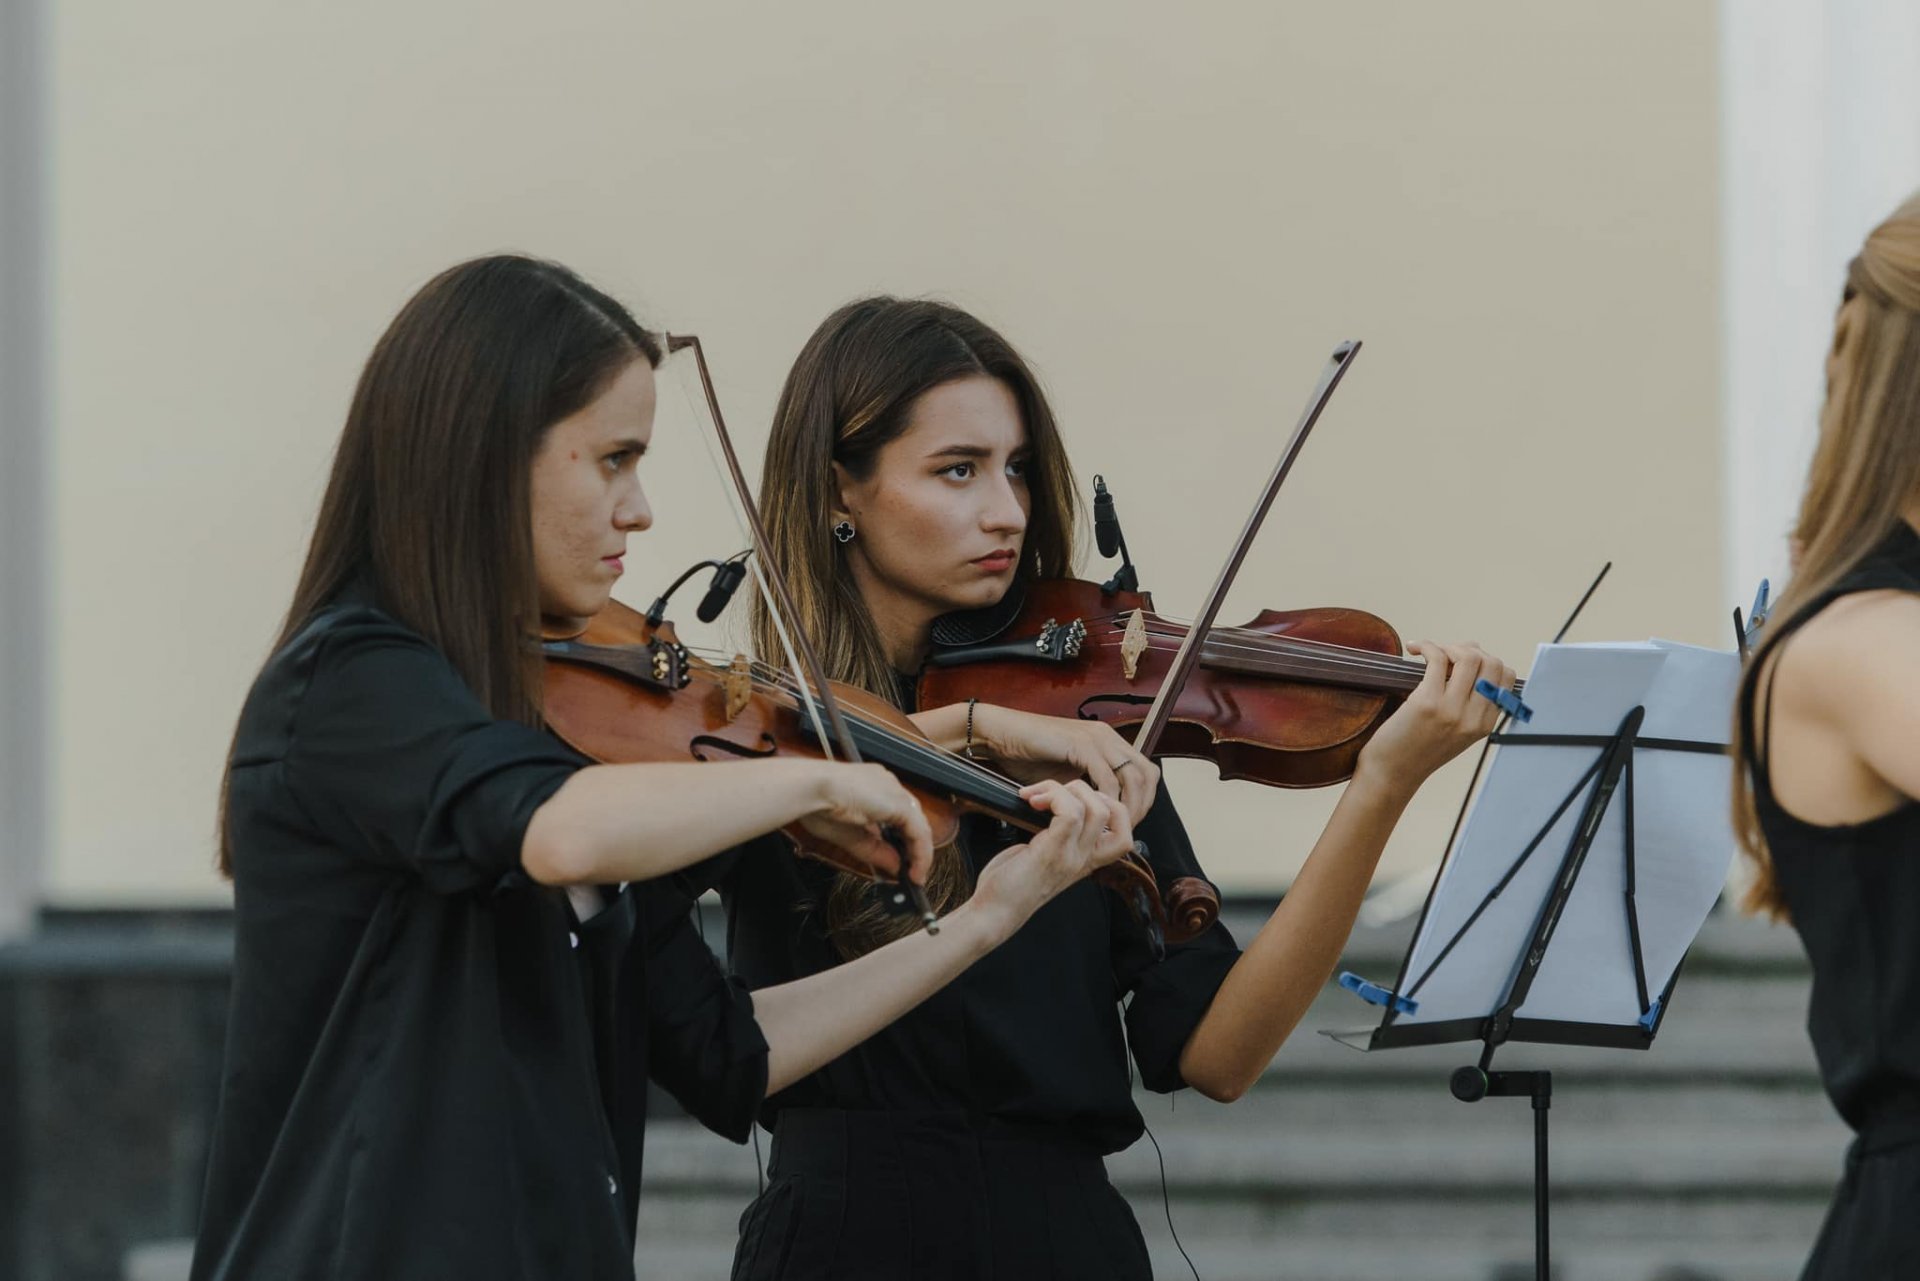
(429, 498)
(1866, 468)
(851, 391)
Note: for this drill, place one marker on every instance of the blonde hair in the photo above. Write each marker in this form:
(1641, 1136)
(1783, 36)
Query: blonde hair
(1866, 469)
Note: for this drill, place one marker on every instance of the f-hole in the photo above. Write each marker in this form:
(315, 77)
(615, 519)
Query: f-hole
(767, 748)
(1124, 700)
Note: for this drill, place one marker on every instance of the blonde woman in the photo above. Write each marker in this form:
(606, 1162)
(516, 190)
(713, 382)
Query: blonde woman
(1828, 730)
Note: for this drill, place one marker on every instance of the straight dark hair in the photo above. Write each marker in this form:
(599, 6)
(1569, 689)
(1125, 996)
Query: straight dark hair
(429, 499)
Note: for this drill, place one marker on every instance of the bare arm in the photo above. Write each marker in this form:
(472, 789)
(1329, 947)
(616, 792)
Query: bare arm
(634, 822)
(1867, 687)
(814, 1020)
(1031, 747)
(1290, 959)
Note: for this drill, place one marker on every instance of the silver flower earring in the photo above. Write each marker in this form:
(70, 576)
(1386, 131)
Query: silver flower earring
(843, 532)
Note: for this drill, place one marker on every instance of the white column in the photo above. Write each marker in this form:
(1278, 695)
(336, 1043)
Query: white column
(1820, 139)
(23, 558)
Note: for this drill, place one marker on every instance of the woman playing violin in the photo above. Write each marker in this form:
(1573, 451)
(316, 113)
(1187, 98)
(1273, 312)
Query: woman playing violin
(914, 470)
(1828, 731)
(455, 965)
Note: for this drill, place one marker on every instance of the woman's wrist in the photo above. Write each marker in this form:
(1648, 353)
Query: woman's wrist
(1380, 786)
(944, 726)
(982, 924)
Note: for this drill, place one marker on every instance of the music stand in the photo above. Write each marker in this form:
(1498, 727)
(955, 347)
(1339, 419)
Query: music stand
(1623, 773)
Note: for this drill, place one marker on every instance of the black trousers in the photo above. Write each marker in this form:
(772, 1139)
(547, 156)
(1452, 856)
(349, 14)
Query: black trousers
(858, 1195)
(1873, 1226)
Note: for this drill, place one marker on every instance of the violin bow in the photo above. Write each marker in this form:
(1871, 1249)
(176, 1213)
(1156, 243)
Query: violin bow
(800, 651)
(1185, 657)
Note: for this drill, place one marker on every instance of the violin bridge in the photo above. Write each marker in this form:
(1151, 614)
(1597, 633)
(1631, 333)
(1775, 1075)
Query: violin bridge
(738, 682)
(1133, 644)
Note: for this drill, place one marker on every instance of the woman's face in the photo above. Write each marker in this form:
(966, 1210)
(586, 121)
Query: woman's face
(940, 520)
(586, 495)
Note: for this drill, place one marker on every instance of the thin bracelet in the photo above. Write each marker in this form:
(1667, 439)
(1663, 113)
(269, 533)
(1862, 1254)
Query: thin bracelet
(967, 751)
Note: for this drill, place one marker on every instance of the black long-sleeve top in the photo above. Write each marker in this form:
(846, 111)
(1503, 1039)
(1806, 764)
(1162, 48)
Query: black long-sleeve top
(1032, 1032)
(434, 1068)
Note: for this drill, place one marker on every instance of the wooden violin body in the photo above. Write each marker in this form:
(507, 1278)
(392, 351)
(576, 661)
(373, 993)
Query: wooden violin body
(624, 691)
(1287, 700)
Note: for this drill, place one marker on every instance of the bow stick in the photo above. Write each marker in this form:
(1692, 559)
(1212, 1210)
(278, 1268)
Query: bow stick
(807, 669)
(1184, 659)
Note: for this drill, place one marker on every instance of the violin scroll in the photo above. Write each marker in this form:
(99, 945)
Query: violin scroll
(1193, 905)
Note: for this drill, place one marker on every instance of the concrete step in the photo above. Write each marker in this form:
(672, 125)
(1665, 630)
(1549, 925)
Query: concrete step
(1622, 1251)
(1436, 1242)
(1383, 1215)
(1359, 1260)
(1599, 1158)
(1503, 1259)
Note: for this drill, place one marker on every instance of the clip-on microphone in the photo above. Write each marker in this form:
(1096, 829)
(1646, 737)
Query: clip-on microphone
(727, 576)
(1107, 535)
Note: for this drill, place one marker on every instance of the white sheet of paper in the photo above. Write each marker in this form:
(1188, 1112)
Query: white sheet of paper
(1683, 841)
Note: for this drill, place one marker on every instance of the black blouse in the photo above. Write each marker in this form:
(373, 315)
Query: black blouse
(433, 1067)
(1032, 1032)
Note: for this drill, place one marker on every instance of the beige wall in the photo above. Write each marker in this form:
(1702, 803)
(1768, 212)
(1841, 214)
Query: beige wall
(1174, 213)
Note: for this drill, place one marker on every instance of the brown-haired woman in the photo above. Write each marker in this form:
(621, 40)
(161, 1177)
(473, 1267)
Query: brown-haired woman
(915, 474)
(1828, 729)
(454, 969)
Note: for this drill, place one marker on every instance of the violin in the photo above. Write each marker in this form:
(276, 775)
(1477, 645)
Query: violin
(627, 690)
(1287, 699)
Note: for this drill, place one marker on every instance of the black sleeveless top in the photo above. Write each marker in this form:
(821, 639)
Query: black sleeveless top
(1853, 892)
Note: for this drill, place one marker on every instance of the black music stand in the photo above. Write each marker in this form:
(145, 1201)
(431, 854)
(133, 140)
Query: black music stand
(1609, 775)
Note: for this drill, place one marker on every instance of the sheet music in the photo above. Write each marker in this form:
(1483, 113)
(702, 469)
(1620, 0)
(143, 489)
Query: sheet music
(1683, 840)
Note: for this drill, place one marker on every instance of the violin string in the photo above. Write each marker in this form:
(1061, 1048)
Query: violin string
(1178, 627)
(1330, 657)
(1262, 642)
(1260, 663)
(1313, 654)
(1309, 654)
(937, 761)
(1296, 649)
(926, 749)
